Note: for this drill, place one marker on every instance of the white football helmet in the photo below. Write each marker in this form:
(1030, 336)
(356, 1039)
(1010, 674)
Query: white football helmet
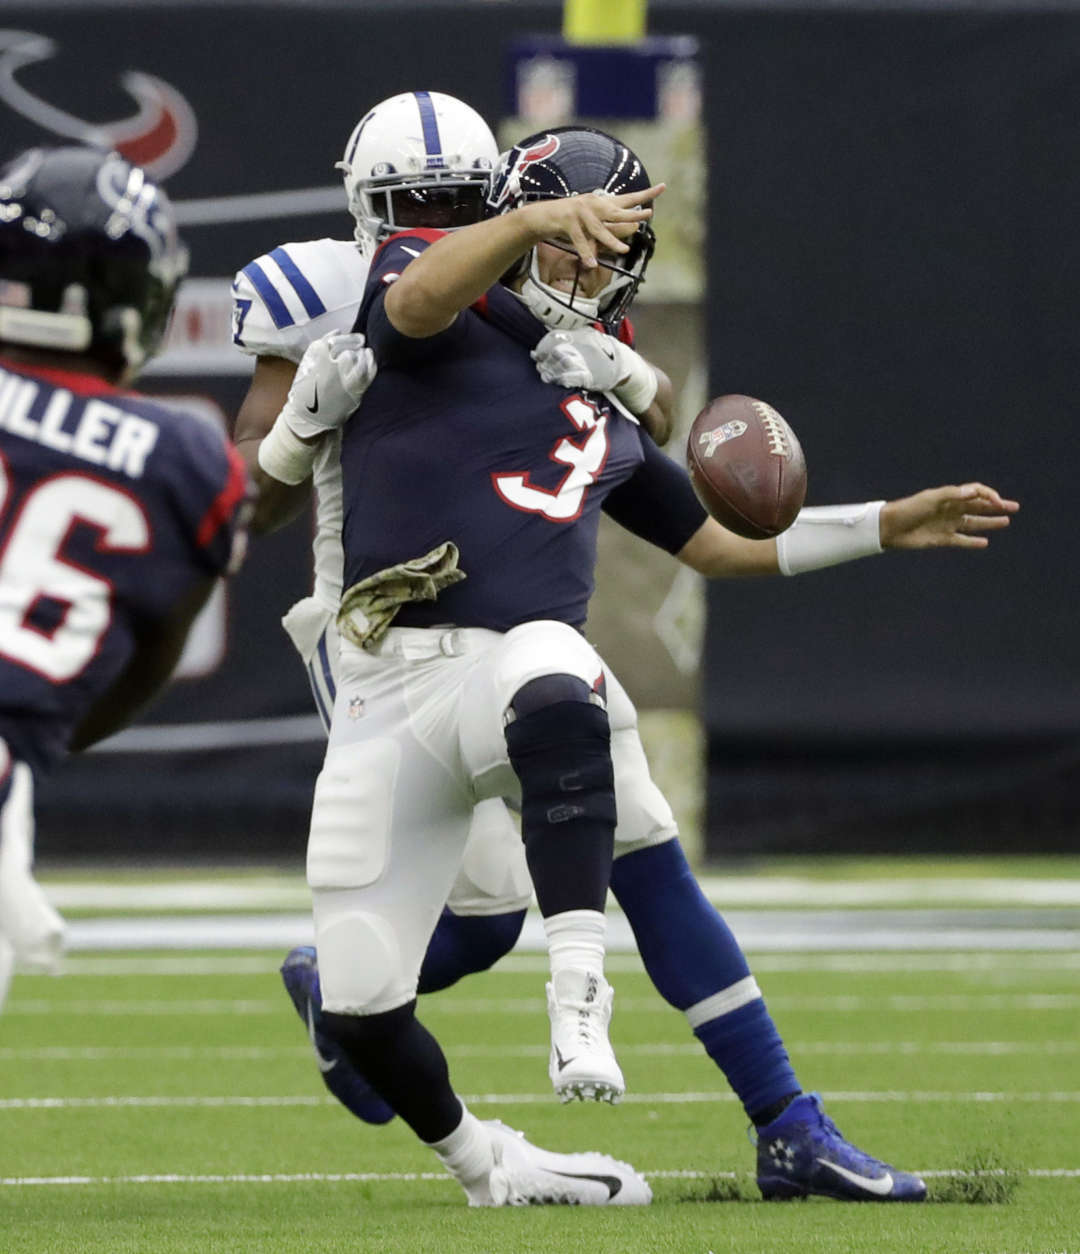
(421, 159)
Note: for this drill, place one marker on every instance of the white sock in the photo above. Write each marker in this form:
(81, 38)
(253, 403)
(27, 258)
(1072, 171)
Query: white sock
(466, 1154)
(576, 940)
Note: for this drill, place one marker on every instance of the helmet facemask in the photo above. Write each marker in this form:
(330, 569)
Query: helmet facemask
(564, 311)
(568, 161)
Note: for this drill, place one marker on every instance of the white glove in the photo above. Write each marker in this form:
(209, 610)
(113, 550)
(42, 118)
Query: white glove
(331, 379)
(590, 359)
(585, 358)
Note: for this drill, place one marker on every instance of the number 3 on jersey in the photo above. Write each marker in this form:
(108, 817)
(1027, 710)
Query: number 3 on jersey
(33, 570)
(585, 459)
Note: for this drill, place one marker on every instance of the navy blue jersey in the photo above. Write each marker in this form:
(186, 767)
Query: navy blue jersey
(112, 507)
(459, 439)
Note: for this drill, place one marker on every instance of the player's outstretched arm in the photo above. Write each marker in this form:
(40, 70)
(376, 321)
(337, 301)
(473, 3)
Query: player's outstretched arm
(460, 267)
(946, 517)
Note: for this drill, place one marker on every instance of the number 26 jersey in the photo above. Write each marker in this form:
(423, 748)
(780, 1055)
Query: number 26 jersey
(112, 507)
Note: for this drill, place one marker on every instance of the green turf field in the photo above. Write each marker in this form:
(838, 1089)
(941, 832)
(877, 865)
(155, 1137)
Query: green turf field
(167, 1102)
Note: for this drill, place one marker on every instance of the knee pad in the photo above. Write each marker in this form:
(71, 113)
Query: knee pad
(561, 753)
(360, 967)
(548, 690)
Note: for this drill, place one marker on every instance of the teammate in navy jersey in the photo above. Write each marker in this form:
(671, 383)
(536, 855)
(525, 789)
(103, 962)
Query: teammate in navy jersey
(117, 513)
(670, 916)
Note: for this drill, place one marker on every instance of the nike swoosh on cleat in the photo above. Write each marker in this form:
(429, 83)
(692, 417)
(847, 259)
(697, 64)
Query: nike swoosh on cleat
(314, 409)
(562, 1062)
(325, 1064)
(882, 1186)
(613, 1183)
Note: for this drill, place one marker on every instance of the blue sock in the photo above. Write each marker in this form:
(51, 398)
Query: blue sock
(464, 943)
(696, 964)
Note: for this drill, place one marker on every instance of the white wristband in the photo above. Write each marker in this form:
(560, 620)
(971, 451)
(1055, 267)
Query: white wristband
(826, 535)
(639, 389)
(284, 456)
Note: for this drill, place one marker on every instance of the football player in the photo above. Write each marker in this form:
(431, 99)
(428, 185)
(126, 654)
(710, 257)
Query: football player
(117, 513)
(670, 916)
(417, 159)
(472, 491)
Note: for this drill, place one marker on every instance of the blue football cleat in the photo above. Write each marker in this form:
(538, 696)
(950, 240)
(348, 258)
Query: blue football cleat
(803, 1152)
(300, 972)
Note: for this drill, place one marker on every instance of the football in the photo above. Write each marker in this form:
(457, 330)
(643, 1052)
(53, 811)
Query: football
(747, 466)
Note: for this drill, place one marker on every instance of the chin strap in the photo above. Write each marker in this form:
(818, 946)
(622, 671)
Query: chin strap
(553, 308)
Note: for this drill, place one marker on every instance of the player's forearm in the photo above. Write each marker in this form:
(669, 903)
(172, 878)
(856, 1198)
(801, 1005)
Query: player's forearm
(456, 271)
(277, 503)
(659, 418)
(820, 536)
(717, 553)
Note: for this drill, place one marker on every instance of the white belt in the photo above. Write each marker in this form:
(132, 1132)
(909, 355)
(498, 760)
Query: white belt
(413, 643)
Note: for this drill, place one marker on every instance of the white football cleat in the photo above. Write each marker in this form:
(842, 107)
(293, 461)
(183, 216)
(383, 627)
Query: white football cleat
(525, 1175)
(582, 1063)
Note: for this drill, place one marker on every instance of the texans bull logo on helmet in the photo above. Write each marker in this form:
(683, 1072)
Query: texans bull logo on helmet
(515, 166)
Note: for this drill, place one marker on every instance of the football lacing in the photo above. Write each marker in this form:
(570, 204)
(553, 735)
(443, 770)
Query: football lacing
(774, 429)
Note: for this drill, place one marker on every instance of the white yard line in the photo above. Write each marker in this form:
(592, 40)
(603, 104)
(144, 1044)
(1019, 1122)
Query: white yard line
(439, 1177)
(284, 893)
(838, 1004)
(537, 964)
(783, 931)
(654, 1049)
(913, 1097)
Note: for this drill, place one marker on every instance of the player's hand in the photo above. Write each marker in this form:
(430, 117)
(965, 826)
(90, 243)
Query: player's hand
(584, 358)
(334, 373)
(595, 221)
(949, 517)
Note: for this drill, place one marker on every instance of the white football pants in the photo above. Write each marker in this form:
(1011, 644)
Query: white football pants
(416, 748)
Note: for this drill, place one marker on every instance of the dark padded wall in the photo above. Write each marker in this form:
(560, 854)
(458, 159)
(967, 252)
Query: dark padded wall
(895, 267)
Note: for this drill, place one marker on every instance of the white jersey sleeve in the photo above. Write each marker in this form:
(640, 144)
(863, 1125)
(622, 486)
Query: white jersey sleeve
(296, 293)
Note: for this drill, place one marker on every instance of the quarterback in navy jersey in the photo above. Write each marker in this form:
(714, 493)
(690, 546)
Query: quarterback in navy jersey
(513, 469)
(666, 909)
(117, 513)
(446, 697)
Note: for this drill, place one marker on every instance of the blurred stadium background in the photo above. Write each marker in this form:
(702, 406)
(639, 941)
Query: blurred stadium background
(870, 225)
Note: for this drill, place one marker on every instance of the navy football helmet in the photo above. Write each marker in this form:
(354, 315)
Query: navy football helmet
(568, 161)
(89, 256)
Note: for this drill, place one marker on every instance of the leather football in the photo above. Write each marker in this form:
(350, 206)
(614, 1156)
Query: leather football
(747, 466)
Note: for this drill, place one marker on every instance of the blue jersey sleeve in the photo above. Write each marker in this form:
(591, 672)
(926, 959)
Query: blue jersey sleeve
(658, 502)
(390, 347)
